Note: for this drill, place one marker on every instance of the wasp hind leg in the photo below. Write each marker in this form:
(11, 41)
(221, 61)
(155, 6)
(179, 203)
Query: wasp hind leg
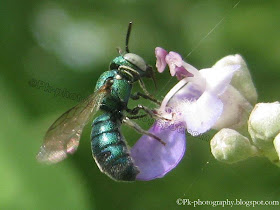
(134, 125)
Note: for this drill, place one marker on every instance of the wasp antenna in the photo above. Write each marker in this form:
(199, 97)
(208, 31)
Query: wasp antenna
(127, 36)
(154, 80)
(152, 74)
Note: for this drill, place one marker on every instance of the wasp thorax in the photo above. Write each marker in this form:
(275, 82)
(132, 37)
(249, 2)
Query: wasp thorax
(136, 60)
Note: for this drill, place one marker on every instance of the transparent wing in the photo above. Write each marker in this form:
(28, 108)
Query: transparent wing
(64, 134)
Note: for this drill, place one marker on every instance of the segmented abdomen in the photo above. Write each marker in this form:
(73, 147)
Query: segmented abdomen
(109, 148)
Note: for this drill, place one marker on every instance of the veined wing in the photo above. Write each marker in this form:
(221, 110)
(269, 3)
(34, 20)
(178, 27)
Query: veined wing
(64, 134)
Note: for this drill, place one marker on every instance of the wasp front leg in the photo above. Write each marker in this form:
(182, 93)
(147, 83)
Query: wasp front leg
(137, 95)
(151, 113)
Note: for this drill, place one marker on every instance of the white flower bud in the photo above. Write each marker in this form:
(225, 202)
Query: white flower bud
(230, 146)
(276, 143)
(264, 125)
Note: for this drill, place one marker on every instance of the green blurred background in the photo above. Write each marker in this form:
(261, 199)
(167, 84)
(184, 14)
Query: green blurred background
(68, 44)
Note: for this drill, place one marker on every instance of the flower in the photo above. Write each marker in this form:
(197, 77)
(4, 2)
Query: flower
(263, 139)
(196, 98)
(195, 103)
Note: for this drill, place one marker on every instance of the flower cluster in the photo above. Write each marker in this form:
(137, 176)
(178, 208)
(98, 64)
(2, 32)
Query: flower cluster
(262, 138)
(215, 97)
(222, 97)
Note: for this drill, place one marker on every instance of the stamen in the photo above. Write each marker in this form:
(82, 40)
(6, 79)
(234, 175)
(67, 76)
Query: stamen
(191, 69)
(197, 78)
(174, 90)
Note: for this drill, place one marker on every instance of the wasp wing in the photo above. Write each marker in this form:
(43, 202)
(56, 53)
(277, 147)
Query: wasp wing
(63, 136)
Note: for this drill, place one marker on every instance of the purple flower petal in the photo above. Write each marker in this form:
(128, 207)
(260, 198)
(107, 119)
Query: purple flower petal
(202, 114)
(160, 55)
(181, 73)
(154, 159)
(173, 60)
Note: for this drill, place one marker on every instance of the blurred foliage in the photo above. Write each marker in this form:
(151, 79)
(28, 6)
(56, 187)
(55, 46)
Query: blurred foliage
(68, 44)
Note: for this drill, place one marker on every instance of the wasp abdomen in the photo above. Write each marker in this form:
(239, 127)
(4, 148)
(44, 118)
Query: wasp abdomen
(109, 149)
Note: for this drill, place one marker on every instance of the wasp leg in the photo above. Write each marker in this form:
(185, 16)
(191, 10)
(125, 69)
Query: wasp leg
(142, 85)
(152, 113)
(138, 116)
(128, 71)
(134, 125)
(137, 95)
(135, 117)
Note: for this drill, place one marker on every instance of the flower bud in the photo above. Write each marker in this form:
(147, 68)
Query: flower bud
(264, 125)
(230, 146)
(276, 143)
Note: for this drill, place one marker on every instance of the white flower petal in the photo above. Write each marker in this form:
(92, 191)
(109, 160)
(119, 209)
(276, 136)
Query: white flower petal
(202, 114)
(236, 110)
(218, 78)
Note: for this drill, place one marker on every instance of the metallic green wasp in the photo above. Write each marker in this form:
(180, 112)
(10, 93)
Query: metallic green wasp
(111, 96)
